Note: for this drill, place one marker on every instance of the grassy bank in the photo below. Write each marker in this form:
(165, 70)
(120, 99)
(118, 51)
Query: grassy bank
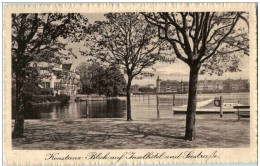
(212, 132)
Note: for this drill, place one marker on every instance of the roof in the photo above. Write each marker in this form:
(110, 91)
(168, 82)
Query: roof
(66, 66)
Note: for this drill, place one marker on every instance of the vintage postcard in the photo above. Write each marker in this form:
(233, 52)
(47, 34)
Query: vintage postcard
(130, 83)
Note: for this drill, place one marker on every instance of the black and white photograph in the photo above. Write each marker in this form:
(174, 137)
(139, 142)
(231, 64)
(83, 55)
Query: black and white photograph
(131, 80)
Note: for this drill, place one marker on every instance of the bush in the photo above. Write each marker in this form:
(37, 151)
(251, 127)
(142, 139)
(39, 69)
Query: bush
(63, 98)
(29, 97)
(39, 99)
(32, 88)
(46, 91)
(51, 98)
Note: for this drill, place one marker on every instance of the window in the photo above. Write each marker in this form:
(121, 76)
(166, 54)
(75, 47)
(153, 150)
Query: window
(57, 85)
(47, 85)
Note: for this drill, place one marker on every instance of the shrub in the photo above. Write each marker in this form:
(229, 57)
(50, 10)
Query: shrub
(32, 88)
(51, 98)
(27, 96)
(39, 99)
(46, 91)
(63, 98)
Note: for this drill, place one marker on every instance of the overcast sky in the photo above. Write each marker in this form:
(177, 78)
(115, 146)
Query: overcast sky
(175, 71)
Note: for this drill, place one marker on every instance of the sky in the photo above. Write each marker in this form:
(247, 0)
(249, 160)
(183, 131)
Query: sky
(166, 71)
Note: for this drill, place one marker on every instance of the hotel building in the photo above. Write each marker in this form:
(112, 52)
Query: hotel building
(59, 78)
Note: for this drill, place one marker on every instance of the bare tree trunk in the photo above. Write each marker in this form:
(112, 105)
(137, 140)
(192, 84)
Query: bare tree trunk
(192, 102)
(19, 110)
(128, 100)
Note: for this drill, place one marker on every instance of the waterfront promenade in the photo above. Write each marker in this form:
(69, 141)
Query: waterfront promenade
(112, 133)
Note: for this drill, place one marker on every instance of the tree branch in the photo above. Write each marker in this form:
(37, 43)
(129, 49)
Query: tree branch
(221, 40)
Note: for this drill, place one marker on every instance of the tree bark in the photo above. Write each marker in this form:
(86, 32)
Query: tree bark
(128, 100)
(19, 111)
(192, 102)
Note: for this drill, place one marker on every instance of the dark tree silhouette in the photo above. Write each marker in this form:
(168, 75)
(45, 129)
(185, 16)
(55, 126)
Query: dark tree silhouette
(202, 40)
(38, 37)
(128, 41)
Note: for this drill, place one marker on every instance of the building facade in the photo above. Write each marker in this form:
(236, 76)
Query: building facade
(210, 86)
(204, 86)
(169, 86)
(240, 85)
(183, 87)
(59, 78)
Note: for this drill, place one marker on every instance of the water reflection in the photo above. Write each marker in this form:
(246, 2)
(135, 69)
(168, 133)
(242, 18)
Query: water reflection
(143, 107)
(106, 109)
(75, 110)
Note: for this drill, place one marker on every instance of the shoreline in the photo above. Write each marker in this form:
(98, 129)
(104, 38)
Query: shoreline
(44, 103)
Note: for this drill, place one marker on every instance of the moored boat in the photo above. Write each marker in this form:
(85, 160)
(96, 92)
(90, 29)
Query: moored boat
(208, 106)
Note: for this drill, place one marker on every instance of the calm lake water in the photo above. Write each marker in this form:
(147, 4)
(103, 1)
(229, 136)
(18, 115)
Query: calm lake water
(143, 107)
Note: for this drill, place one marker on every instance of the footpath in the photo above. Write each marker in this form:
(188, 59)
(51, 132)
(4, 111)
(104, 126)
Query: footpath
(211, 132)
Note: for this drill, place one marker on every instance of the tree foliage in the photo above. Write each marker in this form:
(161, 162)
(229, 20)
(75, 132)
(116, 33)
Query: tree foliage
(125, 40)
(147, 90)
(207, 42)
(204, 37)
(97, 79)
(39, 37)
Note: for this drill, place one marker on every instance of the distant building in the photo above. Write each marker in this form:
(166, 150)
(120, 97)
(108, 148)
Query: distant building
(169, 86)
(210, 86)
(61, 79)
(203, 86)
(183, 87)
(219, 86)
(166, 86)
(240, 85)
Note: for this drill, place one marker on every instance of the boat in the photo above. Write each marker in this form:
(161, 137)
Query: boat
(207, 107)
